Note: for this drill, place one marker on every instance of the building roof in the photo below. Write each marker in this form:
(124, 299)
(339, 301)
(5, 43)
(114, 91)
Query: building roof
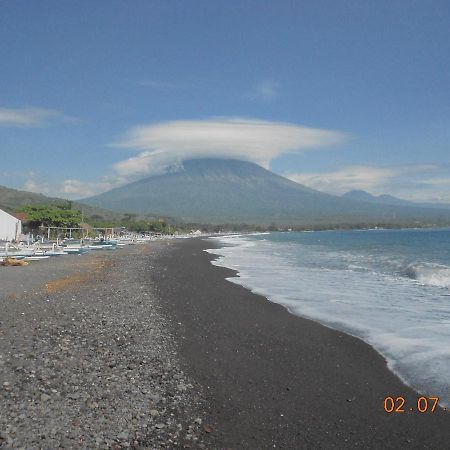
(8, 214)
(20, 215)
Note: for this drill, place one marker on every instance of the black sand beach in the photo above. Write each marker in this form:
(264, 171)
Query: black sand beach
(274, 380)
(86, 357)
(150, 347)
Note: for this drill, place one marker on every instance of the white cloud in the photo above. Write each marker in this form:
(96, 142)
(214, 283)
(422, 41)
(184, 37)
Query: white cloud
(345, 179)
(164, 144)
(420, 182)
(39, 187)
(73, 188)
(70, 188)
(32, 117)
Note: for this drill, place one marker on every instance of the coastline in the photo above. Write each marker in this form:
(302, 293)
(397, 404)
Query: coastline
(273, 379)
(151, 347)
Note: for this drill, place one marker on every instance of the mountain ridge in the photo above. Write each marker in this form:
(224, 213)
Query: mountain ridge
(386, 199)
(218, 191)
(11, 200)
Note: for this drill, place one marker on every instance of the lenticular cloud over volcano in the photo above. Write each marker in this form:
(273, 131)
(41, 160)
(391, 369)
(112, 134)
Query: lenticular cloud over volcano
(163, 144)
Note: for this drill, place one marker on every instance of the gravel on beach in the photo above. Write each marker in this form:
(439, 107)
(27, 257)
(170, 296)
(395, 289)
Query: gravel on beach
(151, 347)
(87, 359)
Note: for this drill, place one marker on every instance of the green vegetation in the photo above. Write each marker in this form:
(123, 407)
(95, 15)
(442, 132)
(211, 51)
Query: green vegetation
(132, 223)
(65, 216)
(12, 200)
(57, 215)
(56, 212)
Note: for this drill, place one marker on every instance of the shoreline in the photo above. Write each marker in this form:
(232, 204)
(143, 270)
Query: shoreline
(276, 379)
(151, 347)
(391, 362)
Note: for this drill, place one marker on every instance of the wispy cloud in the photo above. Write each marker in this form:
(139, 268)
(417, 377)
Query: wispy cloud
(73, 188)
(265, 90)
(347, 178)
(419, 182)
(165, 144)
(32, 117)
(38, 187)
(69, 188)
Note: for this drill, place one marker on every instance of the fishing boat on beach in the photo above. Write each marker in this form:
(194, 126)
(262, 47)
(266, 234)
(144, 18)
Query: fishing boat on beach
(75, 247)
(103, 244)
(36, 257)
(14, 251)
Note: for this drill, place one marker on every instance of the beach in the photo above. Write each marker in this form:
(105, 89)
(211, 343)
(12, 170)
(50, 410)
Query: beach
(87, 359)
(151, 347)
(274, 380)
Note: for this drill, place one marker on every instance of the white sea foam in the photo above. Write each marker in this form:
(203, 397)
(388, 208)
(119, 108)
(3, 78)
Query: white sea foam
(406, 317)
(431, 274)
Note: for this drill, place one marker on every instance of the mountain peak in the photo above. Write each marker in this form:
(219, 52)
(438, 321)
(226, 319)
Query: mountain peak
(219, 191)
(210, 166)
(359, 194)
(384, 199)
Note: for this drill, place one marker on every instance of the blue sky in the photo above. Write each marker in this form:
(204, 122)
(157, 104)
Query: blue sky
(336, 95)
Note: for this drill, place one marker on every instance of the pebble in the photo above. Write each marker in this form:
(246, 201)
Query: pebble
(123, 436)
(98, 362)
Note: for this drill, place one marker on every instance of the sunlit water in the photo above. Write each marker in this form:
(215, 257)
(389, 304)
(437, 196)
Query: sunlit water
(390, 288)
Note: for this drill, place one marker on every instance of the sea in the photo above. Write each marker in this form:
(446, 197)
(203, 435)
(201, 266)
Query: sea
(390, 288)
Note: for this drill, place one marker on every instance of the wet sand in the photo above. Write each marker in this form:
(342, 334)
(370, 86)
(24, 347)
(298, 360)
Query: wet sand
(274, 380)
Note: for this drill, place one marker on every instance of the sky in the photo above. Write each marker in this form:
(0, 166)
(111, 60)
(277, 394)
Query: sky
(335, 95)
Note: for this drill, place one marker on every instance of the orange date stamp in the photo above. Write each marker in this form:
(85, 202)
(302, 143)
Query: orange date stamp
(423, 405)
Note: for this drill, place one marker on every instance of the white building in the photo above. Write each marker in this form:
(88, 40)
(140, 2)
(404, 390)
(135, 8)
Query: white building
(10, 227)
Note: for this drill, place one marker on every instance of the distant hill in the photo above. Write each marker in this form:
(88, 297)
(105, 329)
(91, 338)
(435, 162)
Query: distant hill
(11, 200)
(218, 191)
(386, 199)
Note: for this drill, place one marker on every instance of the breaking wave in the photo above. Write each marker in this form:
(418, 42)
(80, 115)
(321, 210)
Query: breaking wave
(429, 274)
(364, 287)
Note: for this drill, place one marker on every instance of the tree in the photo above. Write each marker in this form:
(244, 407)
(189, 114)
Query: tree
(129, 217)
(59, 215)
